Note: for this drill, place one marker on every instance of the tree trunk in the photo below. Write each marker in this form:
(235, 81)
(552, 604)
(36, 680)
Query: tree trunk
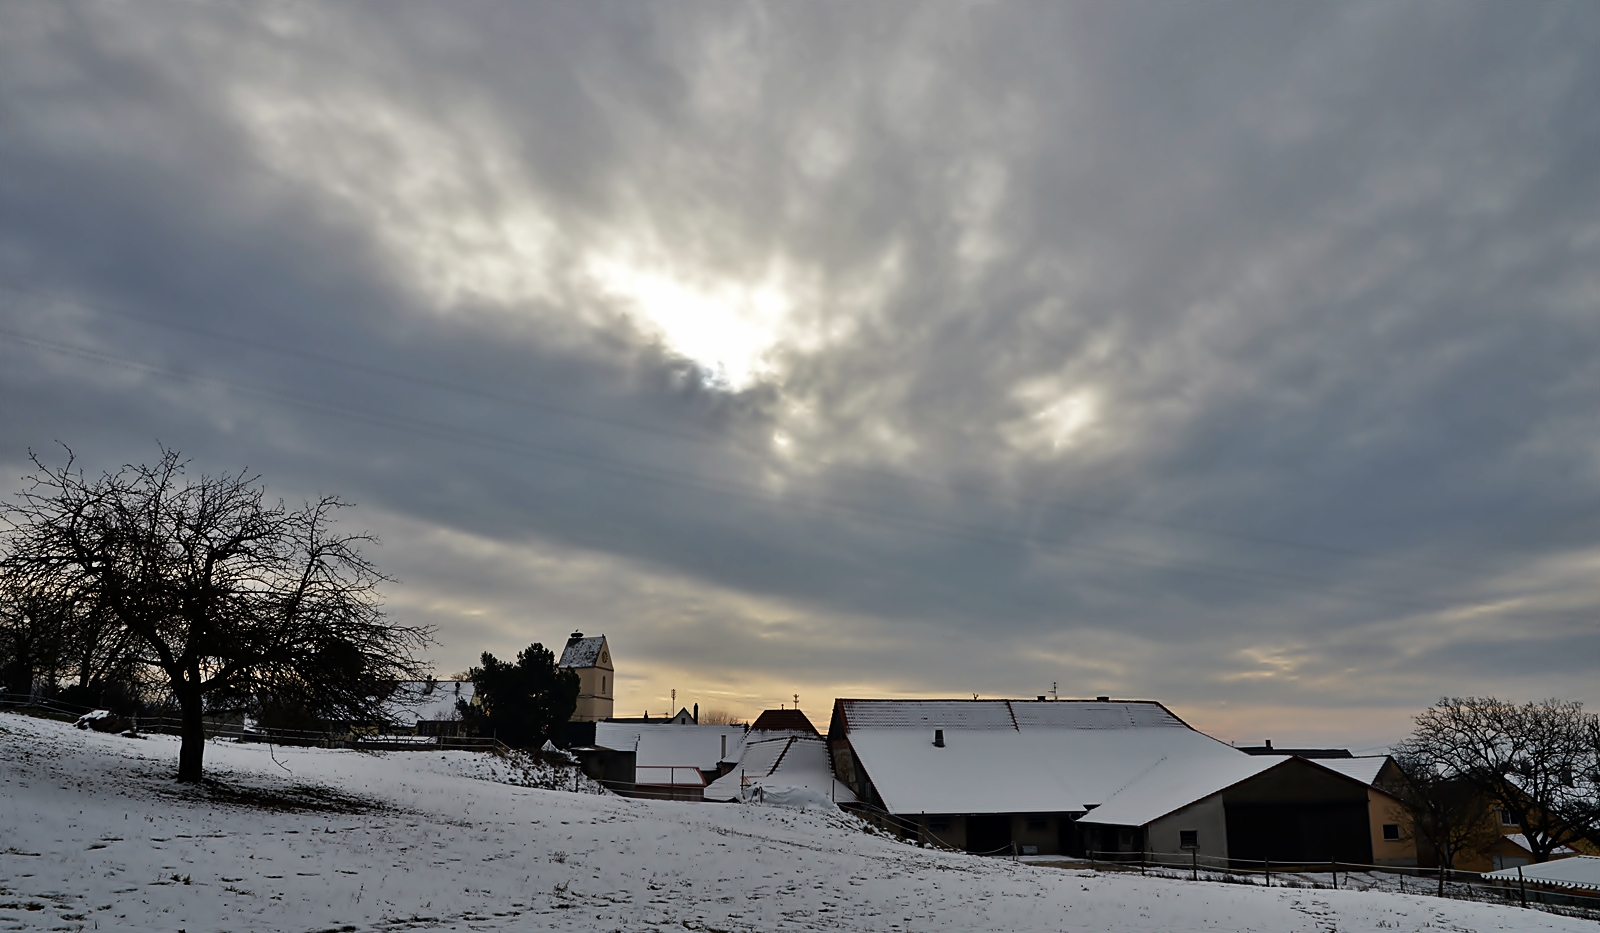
(21, 674)
(194, 735)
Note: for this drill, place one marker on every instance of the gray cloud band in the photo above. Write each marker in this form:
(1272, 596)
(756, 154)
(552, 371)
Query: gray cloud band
(1226, 355)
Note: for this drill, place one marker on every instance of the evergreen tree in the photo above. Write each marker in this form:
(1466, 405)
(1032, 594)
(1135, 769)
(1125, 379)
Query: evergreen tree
(523, 704)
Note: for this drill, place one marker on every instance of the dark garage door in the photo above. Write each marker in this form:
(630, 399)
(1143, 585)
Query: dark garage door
(1304, 833)
(988, 833)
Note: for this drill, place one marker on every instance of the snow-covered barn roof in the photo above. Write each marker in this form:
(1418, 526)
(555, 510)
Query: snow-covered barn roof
(1005, 714)
(788, 759)
(582, 652)
(1031, 756)
(413, 701)
(1363, 768)
(670, 744)
(1579, 871)
(1175, 782)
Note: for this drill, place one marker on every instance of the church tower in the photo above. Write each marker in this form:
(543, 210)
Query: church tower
(597, 679)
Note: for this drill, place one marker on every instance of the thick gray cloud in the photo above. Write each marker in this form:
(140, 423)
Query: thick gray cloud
(1239, 355)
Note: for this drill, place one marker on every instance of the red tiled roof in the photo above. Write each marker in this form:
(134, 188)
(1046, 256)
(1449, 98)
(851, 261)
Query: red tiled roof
(775, 720)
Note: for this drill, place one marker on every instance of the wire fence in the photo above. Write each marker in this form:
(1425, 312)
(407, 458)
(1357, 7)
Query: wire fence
(52, 708)
(374, 737)
(1440, 881)
(1191, 864)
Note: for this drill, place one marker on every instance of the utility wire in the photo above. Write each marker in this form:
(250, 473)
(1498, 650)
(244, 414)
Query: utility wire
(746, 492)
(703, 437)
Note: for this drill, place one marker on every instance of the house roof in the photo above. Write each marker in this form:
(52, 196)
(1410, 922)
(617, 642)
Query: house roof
(792, 760)
(1031, 756)
(1521, 841)
(413, 701)
(670, 744)
(582, 652)
(1003, 714)
(1297, 752)
(1363, 768)
(1580, 871)
(783, 720)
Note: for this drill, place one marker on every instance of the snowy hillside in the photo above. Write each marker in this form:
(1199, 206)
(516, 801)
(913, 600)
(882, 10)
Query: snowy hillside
(94, 835)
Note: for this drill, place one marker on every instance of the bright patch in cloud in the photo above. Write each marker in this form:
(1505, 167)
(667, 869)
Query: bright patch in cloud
(728, 327)
(1057, 416)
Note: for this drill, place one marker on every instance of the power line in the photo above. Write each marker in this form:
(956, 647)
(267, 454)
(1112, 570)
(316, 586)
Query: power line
(590, 462)
(273, 347)
(703, 437)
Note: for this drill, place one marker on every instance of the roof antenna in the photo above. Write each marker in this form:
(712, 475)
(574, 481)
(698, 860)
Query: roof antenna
(974, 696)
(1053, 694)
(797, 701)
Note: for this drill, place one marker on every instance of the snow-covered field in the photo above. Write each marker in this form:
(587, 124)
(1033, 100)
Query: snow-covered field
(95, 835)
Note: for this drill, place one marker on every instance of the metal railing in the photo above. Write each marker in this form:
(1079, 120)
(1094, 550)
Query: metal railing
(697, 777)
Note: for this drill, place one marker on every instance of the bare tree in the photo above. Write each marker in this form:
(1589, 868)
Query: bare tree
(1528, 758)
(225, 595)
(55, 642)
(1440, 812)
(33, 632)
(719, 717)
(1581, 807)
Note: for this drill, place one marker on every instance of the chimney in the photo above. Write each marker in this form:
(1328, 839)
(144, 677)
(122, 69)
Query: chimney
(574, 637)
(1103, 699)
(938, 738)
(697, 714)
(1269, 745)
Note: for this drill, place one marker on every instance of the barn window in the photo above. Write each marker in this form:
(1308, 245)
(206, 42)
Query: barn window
(939, 824)
(1391, 832)
(1188, 838)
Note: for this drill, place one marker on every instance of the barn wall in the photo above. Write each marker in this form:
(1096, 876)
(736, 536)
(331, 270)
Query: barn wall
(1299, 812)
(1207, 817)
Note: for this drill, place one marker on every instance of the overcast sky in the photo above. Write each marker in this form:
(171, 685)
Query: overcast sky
(1240, 356)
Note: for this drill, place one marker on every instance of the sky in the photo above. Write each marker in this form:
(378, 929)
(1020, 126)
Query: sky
(1243, 356)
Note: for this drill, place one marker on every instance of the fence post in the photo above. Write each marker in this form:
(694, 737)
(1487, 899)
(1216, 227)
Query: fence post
(1333, 866)
(1522, 884)
(1269, 872)
(1141, 861)
(1194, 864)
(1441, 879)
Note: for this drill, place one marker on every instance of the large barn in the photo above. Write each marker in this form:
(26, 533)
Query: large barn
(1076, 776)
